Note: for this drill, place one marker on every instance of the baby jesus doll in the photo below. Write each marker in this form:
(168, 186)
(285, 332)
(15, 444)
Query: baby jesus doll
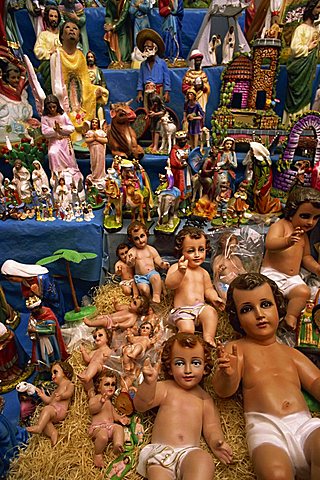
(192, 286)
(282, 437)
(126, 273)
(96, 359)
(287, 248)
(145, 258)
(124, 317)
(175, 451)
(138, 345)
(104, 427)
(57, 404)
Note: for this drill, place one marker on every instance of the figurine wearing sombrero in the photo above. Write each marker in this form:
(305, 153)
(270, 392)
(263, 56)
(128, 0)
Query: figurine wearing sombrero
(153, 69)
(197, 78)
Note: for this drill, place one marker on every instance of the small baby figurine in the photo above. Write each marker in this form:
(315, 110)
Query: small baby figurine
(126, 273)
(226, 265)
(192, 285)
(95, 359)
(124, 317)
(57, 404)
(104, 428)
(185, 411)
(144, 258)
(139, 344)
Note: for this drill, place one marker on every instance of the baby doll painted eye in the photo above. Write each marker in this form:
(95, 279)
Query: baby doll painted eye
(179, 363)
(266, 304)
(246, 309)
(110, 384)
(97, 335)
(197, 362)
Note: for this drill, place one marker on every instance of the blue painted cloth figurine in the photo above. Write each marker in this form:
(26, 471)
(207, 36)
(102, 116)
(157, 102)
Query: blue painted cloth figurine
(153, 69)
(139, 11)
(159, 74)
(10, 440)
(172, 12)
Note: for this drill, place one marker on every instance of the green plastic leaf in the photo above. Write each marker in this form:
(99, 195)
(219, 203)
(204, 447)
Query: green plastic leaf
(46, 260)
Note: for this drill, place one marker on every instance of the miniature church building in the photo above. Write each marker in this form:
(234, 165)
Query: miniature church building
(266, 53)
(253, 81)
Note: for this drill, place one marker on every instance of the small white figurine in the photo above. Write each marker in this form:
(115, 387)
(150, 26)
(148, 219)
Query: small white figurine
(228, 46)
(213, 45)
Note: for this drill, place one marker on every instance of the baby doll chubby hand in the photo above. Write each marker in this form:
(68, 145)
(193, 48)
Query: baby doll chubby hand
(227, 362)
(219, 304)
(165, 265)
(182, 264)
(223, 452)
(295, 236)
(150, 373)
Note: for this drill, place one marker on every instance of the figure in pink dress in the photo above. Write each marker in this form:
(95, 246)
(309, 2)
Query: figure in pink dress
(96, 140)
(57, 128)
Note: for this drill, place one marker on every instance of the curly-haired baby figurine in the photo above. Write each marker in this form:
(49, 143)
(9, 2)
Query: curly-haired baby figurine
(175, 451)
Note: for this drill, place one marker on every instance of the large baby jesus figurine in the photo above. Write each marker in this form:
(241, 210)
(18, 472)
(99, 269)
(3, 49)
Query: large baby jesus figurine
(283, 439)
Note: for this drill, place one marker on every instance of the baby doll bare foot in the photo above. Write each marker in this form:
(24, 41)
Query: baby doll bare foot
(156, 298)
(117, 448)
(54, 437)
(34, 429)
(98, 460)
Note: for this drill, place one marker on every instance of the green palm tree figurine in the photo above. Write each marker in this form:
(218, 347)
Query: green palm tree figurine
(73, 256)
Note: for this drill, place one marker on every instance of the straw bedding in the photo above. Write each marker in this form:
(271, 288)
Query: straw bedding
(72, 456)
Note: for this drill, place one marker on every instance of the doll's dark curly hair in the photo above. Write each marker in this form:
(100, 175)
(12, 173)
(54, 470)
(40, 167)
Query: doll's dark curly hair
(193, 232)
(297, 197)
(66, 368)
(188, 340)
(250, 281)
(134, 227)
(145, 305)
(106, 372)
(108, 333)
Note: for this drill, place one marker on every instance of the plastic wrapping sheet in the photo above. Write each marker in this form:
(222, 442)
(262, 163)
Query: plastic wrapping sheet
(235, 251)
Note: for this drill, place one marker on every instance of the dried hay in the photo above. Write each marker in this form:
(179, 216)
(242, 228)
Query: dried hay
(72, 457)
